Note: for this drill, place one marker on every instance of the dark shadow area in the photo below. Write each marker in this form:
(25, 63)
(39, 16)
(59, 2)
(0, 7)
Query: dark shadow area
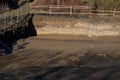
(89, 67)
(53, 73)
(64, 73)
(21, 30)
(14, 4)
(4, 76)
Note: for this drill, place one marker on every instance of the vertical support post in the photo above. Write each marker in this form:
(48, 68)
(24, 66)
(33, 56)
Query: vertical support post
(11, 20)
(2, 17)
(50, 10)
(17, 16)
(28, 6)
(21, 10)
(58, 2)
(5, 20)
(91, 3)
(27, 13)
(114, 13)
(71, 10)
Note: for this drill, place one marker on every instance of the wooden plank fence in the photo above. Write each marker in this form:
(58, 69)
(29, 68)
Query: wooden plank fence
(72, 10)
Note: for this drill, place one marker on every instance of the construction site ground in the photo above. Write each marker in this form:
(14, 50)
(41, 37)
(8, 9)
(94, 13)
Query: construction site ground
(44, 58)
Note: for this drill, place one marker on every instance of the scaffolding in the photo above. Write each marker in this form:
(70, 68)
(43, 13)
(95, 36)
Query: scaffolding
(10, 17)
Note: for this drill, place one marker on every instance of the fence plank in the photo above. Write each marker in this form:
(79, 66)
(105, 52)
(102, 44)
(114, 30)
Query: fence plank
(72, 10)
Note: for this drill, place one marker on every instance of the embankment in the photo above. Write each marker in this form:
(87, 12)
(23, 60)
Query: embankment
(77, 26)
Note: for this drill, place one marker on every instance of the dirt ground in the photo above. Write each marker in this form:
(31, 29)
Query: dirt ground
(52, 59)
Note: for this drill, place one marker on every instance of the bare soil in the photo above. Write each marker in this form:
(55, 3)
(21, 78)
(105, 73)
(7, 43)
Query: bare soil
(54, 59)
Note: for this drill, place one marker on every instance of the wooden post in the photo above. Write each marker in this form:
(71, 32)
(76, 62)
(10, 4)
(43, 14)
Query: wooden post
(2, 17)
(71, 10)
(28, 6)
(5, 20)
(58, 2)
(11, 21)
(17, 16)
(114, 13)
(21, 10)
(91, 4)
(50, 10)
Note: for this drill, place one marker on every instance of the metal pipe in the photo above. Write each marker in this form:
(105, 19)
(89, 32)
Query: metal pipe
(5, 46)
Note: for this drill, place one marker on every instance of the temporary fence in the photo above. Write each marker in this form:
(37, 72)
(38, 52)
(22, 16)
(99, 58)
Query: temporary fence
(72, 10)
(9, 17)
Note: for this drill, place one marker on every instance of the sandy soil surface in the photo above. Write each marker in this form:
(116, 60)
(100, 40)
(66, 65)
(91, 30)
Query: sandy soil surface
(52, 59)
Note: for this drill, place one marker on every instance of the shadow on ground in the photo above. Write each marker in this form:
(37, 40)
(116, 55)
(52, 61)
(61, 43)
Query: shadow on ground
(88, 67)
